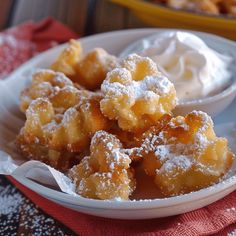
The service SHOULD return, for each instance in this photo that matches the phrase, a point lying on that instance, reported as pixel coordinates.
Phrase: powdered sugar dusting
(114, 155)
(55, 79)
(174, 154)
(180, 123)
(175, 164)
(133, 60)
(122, 80)
(151, 87)
(201, 140)
(68, 115)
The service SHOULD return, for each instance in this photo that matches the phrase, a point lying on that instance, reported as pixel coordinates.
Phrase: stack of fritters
(108, 114)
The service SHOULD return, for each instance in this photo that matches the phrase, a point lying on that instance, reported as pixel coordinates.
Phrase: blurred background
(94, 16)
(83, 16)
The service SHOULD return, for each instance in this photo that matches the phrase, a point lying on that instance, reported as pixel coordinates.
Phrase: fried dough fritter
(185, 154)
(88, 70)
(45, 83)
(68, 59)
(101, 136)
(106, 173)
(92, 69)
(136, 94)
(62, 120)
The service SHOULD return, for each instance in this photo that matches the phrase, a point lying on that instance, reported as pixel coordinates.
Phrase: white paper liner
(38, 171)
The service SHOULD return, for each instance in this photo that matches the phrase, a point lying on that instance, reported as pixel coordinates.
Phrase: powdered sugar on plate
(19, 216)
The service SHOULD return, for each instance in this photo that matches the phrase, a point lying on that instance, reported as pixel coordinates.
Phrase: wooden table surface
(83, 16)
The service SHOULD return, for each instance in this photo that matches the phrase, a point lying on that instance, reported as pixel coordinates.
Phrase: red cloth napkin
(20, 43)
(218, 218)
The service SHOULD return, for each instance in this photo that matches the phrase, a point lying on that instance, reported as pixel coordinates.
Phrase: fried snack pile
(215, 7)
(183, 154)
(106, 173)
(89, 70)
(137, 94)
(98, 136)
(59, 122)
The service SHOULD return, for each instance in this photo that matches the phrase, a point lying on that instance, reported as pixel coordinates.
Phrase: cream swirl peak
(196, 70)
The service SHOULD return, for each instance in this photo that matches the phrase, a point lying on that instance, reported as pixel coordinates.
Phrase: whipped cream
(196, 70)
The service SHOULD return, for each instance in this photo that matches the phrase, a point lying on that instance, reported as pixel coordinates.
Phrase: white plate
(11, 120)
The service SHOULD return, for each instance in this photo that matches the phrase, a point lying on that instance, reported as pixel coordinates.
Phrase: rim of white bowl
(230, 90)
(226, 92)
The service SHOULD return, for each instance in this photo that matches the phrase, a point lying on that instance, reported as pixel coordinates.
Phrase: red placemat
(218, 218)
(22, 42)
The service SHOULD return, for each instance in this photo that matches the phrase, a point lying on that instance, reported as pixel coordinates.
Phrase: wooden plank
(109, 16)
(23, 11)
(69, 12)
(40, 9)
(132, 21)
(5, 7)
(62, 11)
(77, 15)
(105, 16)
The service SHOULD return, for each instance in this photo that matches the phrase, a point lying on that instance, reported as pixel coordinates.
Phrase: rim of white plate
(111, 204)
(129, 204)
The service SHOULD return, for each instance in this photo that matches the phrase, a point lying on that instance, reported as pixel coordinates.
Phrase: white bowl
(213, 105)
(11, 120)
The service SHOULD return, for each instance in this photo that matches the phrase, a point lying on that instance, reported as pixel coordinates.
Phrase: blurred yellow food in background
(161, 16)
